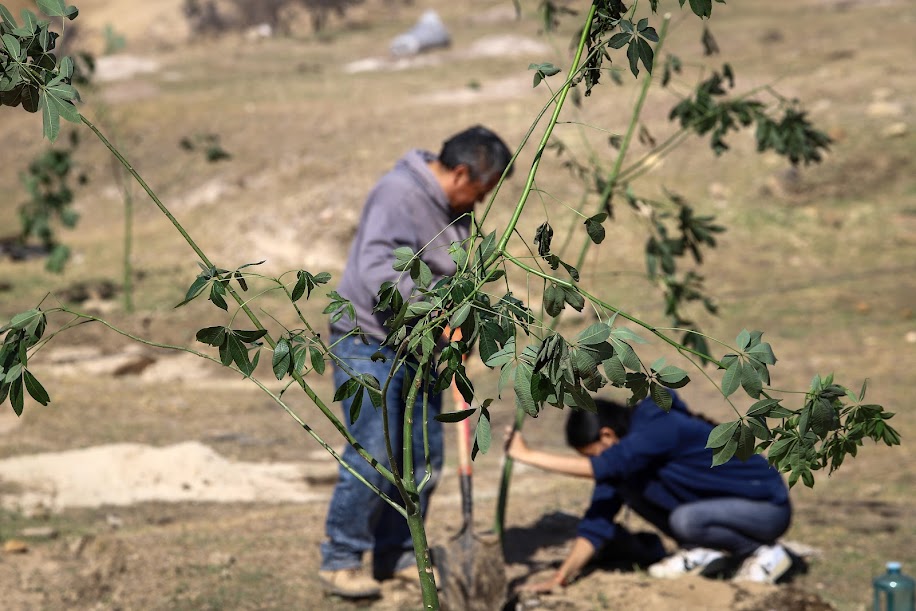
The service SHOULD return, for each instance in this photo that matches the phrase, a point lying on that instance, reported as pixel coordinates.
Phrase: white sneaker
(685, 562)
(766, 565)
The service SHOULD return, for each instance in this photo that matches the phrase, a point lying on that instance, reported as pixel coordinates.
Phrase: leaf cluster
(831, 424)
(23, 332)
(30, 73)
(218, 280)
(47, 182)
(709, 111)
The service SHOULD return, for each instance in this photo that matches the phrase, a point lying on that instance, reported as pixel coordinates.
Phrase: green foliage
(542, 71)
(30, 73)
(21, 334)
(47, 181)
(114, 42)
(709, 111)
(208, 143)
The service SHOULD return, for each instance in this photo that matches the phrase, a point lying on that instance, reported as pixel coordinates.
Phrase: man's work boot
(349, 583)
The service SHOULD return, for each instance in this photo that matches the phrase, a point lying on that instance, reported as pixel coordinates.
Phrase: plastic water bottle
(894, 591)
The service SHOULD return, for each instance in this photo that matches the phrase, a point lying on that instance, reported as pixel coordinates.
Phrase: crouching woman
(657, 463)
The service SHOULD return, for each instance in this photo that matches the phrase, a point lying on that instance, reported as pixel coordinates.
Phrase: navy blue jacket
(664, 457)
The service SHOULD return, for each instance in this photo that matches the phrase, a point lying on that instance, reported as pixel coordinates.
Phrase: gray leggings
(738, 526)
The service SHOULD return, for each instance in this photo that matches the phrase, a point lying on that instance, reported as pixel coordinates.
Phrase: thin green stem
(532, 172)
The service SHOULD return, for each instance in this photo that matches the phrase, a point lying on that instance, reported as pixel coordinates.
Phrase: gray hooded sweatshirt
(407, 207)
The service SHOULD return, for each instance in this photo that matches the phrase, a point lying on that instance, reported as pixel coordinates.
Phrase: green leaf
(317, 359)
(627, 335)
(554, 299)
(673, 377)
(213, 336)
(483, 437)
(646, 54)
(419, 308)
(23, 319)
(633, 56)
(53, 8)
(759, 427)
(731, 380)
(36, 390)
(456, 416)
(595, 228)
(252, 336)
(743, 339)
(225, 356)
(403, 257)
(503, 355)
(574, 298)
(618, 40)
(725, 453)
(763, 353)
(298, 354)
(720, 435)
(239, 353)
(373, 389)
(762, 407)
(460, 316)
(195, 289)
(299, 289)
(356, 407)
(50, 116)
(701, 8)
(347, 389)
(524, 397)
(12, 46)
(750, 380)
(7, 16)
(16, 396)
(217, 290)
(626, 354)
(595, 334)
(615, 371)
(661, 396)
(746, 442)
(282, 358)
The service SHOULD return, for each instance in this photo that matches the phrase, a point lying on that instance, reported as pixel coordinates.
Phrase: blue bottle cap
(893, 566)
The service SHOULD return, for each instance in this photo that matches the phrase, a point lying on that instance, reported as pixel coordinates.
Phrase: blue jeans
(358, 520)
(735, 525)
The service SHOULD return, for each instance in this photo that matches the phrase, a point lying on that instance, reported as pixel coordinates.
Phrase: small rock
(114, 521)
(39, 532)
(911, 337)
(884, 109)
(221, 559)
(895, 130)
(15, 546)
(863, 307)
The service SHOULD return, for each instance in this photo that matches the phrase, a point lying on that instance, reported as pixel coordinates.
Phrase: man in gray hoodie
(422, 203)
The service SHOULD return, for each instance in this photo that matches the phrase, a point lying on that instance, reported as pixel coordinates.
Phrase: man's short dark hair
(482, 151)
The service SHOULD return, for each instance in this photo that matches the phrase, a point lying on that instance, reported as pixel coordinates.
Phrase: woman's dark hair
(584, 427)
(482, 151)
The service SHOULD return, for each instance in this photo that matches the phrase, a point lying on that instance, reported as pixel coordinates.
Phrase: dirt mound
(125, 474)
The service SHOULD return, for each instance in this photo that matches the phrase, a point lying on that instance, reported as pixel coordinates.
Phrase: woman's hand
(515, 444)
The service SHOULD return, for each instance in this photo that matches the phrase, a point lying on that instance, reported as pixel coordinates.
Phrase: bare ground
(821, 259)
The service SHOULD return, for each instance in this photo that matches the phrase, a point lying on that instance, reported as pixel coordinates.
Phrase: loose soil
(157, 480)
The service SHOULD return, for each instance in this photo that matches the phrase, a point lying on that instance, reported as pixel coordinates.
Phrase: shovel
(472, 566)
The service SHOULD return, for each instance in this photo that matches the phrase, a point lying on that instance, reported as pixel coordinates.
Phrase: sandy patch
(125, 474)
